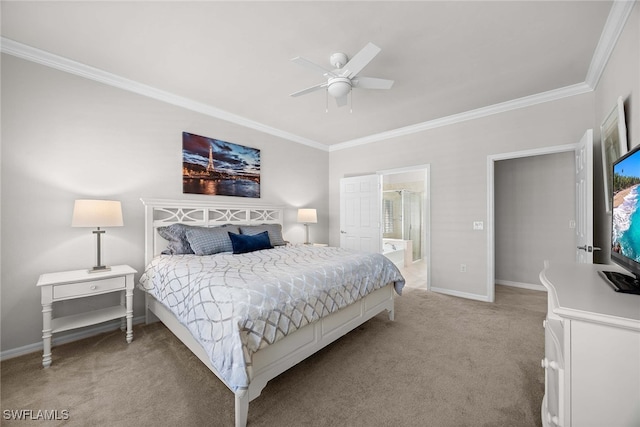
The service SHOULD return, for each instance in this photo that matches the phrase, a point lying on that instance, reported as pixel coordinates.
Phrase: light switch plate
(478, 225)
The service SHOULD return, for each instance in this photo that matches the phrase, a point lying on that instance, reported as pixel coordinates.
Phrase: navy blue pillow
(243, 243)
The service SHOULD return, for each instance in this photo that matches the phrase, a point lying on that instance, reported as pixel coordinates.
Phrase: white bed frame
(271, 361)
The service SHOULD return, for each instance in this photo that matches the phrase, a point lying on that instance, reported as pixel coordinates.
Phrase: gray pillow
(274, 230)
(175, 234)
(213, 240)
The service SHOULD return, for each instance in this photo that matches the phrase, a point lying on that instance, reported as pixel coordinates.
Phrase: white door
(584, 199)
(360, 200)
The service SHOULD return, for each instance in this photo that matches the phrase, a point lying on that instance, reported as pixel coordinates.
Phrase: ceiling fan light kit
(339, 86)
(344, 77)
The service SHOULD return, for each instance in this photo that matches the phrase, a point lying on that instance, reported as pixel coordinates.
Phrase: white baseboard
(521, 285)
(460, 294)
(63, 339)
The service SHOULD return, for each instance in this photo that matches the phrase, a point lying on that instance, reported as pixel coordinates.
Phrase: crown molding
(51, 60)
(618, 15)
(502, 107)
(620, 11)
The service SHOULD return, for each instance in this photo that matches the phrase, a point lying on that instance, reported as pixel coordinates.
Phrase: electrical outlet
(478, 225)
(463, 268)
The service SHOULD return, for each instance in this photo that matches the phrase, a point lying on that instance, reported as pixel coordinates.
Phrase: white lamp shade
(97, 213)
(307, 216)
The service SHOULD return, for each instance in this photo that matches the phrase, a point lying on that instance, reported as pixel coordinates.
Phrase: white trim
(404, 169)
(533, 152)
(521, 285)
(51, 60)
(616, 20)
(461, 294)
(491, 159)
(502, 107)
(618, 15)
(67, 338)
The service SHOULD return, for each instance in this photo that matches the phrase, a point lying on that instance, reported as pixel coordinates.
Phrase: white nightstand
(79, 284)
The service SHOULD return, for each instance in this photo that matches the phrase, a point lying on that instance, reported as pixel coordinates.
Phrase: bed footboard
(271, 361)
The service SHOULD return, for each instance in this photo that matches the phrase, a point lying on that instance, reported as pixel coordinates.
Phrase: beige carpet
(445, 361)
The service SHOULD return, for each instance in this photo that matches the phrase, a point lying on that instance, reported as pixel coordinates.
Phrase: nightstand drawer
(73, 290)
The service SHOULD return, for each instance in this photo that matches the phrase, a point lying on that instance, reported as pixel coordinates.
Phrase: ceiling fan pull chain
(326, 98)
(351, 101)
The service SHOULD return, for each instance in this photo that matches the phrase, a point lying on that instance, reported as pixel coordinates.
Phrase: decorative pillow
(274, 231)
(243, 243)
(211, 240)
(175, 234)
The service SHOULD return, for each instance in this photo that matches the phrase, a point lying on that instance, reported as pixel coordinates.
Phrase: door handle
(589, 248)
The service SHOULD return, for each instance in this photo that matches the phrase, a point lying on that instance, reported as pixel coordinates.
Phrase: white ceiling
(446, 57)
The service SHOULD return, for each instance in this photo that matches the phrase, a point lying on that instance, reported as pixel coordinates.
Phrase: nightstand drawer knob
(549, 364)
(94, 287)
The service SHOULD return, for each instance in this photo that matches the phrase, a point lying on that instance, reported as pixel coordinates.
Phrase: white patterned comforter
(236, 304)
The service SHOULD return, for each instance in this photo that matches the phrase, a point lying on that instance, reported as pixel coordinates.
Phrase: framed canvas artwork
(613, 133)
(219, 168)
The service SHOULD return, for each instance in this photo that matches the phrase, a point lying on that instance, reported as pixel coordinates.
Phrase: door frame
(426, 210)
(491, 160)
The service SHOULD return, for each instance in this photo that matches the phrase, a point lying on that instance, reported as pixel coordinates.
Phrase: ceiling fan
(345, 75)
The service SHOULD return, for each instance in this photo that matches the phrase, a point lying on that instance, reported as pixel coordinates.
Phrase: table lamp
(307, 216)
(97, 213)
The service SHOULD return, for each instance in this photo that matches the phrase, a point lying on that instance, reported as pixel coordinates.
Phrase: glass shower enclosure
(402, 215)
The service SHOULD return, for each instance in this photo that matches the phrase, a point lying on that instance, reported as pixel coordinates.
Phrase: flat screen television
(625, 223)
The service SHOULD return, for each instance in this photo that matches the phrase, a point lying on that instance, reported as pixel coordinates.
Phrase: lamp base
(99, 267)
(306, 236)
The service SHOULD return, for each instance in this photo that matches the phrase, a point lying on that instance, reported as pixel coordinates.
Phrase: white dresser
(592, 350)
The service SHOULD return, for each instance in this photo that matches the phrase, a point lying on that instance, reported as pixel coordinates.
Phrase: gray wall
(458, 157)
(65, 137)
(534, 204)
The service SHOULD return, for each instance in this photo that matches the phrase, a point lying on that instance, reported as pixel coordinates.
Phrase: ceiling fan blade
(309, 89)
(360, 60)
(342, 101)
(371, 83)
(313, 66)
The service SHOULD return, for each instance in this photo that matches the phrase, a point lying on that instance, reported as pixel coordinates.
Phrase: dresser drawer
(73, 290)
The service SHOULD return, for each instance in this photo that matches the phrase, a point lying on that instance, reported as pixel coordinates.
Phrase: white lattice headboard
(160, 213)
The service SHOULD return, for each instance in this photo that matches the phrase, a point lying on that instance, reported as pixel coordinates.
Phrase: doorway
(402, 221)
(583, 152)
(534, 217)
(405, 221)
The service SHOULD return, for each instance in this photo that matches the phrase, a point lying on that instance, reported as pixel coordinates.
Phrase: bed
(250, 316)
